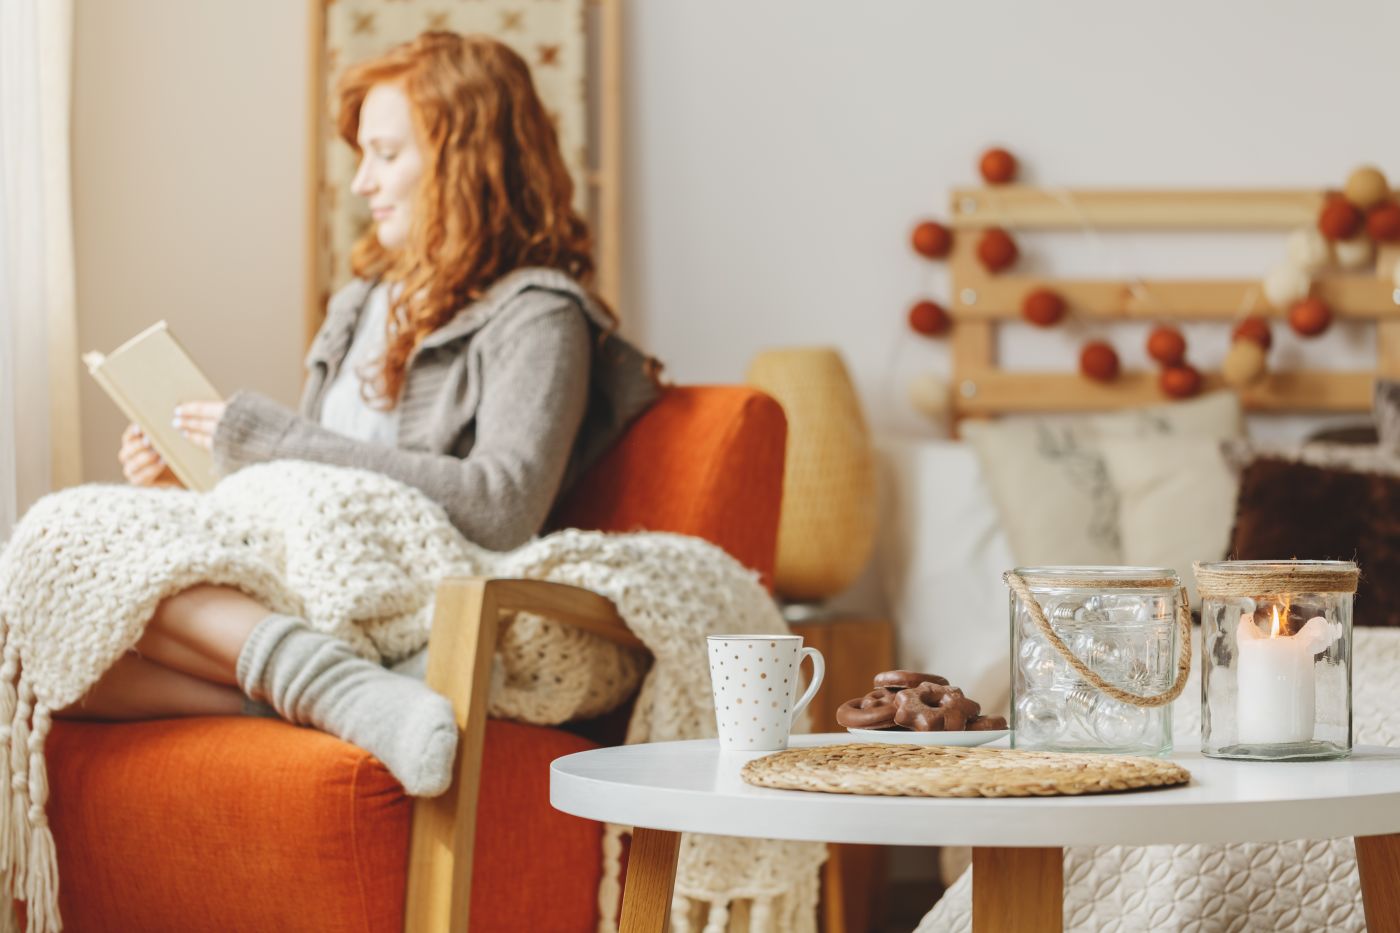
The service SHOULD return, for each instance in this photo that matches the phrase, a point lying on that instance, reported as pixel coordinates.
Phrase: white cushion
(1176, 501)
(940, 556)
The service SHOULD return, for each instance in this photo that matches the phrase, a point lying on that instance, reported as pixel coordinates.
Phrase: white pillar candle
(1276, 698)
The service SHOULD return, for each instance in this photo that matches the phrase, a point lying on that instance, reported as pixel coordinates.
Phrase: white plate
(899, 737)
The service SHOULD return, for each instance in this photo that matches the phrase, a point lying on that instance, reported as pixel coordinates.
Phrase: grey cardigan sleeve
(534, 390)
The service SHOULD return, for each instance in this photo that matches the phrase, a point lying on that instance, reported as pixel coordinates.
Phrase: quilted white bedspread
(1299, 887)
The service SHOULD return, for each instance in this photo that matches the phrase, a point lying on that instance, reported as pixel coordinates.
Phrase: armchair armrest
(466, 625)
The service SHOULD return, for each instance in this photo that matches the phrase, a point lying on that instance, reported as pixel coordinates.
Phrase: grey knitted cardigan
(502, 407)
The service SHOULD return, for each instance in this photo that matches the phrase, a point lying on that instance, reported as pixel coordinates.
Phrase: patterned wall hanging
(551, 35)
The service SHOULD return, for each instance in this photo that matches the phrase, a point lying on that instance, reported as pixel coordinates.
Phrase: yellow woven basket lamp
(828, 514)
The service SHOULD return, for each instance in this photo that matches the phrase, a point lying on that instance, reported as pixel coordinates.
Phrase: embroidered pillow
(1176, 501)
(1051, 485)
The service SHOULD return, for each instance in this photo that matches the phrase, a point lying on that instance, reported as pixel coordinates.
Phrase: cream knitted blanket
(358, 555)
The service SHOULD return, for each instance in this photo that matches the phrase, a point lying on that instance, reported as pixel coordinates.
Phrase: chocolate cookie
(875, 710)
(903, 680)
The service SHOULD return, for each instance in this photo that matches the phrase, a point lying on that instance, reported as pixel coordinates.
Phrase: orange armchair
(230, 824)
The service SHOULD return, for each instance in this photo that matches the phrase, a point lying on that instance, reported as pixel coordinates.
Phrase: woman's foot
(315, 679)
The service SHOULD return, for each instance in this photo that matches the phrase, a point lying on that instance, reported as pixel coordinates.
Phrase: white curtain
(39, 429)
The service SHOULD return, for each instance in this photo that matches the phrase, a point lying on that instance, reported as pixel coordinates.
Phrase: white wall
(779, 153)
(189, 160)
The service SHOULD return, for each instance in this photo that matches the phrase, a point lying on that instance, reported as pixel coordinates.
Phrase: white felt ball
(1354, 253)
(931, 396)
(1244, 364)
(1307, 249)
(1285, 285)
(1366, 187)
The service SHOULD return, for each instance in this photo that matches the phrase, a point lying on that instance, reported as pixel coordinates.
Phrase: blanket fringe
(41, 880)
(18, 798)
(610, 888)
(9, 673)
(718, 920)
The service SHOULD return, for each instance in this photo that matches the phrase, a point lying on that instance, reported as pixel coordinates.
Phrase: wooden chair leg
(854, 886)
(651, 877)
(466, 623)
(466, 620)
(1378, 864)
(833, 918)
(1018, 889)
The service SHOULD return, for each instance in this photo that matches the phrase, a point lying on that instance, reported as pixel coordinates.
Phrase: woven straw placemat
(942, 771)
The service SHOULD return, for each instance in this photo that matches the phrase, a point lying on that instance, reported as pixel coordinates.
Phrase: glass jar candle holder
(1094, 657)
(1276, 667)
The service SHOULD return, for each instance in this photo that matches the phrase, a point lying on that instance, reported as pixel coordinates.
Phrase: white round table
(667, 788)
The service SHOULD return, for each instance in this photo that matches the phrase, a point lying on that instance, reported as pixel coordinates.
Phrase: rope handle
(1183, 661)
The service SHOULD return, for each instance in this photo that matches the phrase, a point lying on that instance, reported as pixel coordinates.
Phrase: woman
(466, 359)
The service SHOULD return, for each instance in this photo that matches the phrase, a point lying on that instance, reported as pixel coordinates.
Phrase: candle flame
(1274, 633)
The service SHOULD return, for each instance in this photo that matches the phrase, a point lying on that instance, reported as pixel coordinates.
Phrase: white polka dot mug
(755, 679)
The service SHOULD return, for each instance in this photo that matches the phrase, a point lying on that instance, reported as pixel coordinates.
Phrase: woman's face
(390, 163)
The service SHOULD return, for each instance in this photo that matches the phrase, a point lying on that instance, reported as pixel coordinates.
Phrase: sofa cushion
(253, 824)
(703, 461)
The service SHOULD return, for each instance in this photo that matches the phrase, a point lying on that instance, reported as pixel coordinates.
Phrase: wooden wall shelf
(1027, 208)
(981, 302)
(993, 391)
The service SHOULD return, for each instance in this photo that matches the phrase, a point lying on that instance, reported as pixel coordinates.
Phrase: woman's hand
(199, 420)
(141, 465)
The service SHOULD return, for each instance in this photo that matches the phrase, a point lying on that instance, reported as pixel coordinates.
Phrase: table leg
(651, 874)
(1018, 889)
(1378, 864)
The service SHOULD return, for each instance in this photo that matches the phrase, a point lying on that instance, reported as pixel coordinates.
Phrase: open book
(147, 377)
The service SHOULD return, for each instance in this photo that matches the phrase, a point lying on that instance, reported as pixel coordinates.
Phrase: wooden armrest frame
(466, 625)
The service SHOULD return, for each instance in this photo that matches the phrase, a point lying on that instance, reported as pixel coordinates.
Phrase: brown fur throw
(1296, 510)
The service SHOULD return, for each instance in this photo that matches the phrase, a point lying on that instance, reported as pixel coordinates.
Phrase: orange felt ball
(1339, 219)
(1310, 317)
(1180, 381)
(1043, 307)
(1098, 361)
(997, 166)
(932, 239)
(1166, 346)
(996, 250)
(929, 318)
(1383, 223)
(1256, 329)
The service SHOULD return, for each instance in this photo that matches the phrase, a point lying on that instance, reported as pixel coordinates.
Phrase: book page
(147, 377)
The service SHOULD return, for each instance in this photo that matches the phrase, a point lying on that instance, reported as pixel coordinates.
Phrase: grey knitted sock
(315, 679)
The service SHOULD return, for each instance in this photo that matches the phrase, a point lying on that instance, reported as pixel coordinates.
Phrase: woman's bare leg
(201, 631)
(310, 678)
(185, 662)
(135, 688)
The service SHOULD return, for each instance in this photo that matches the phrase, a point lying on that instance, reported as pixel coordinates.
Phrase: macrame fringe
(761, 916)
(610, 888)
(17, 800)
(41, 881)
(9, 700)
(718, 919)
(680, 915)
(28, 856)
(9, 673)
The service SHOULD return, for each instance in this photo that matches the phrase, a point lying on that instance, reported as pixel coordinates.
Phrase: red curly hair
(495, 195)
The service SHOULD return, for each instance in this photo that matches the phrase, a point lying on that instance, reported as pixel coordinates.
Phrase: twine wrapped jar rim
(1090, 576)
(1269, 577)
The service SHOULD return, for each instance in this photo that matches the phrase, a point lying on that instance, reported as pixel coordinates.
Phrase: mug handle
(818, 672)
